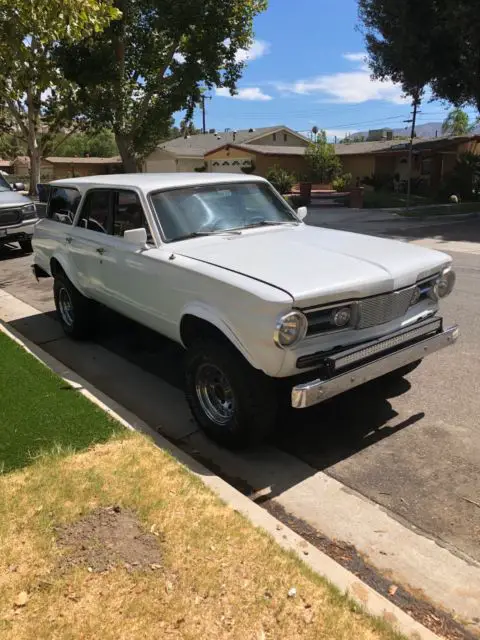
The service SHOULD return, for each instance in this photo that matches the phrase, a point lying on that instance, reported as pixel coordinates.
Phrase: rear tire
(75, 312)
(233, 403)
(26, 245)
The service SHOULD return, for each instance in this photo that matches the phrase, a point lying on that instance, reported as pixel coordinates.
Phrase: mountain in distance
(427, 130)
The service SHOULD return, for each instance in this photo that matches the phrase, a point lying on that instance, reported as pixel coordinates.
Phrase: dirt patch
(106, 538)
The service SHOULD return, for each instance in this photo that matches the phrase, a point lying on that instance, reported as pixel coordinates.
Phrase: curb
(452, 217)
(370, 601)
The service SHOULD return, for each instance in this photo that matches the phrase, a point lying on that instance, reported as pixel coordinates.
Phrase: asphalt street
(413, 448)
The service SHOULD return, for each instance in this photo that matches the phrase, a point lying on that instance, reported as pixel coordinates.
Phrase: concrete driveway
(412, 450)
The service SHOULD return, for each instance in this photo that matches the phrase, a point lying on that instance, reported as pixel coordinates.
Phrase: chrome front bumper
(311, 393)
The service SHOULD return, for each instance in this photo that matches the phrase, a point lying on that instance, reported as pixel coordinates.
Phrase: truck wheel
(75, 312)
(232, 402)
(26, 245)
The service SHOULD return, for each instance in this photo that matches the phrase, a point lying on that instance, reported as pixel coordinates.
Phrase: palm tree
(457, 123)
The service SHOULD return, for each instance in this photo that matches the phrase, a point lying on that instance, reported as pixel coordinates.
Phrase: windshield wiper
(271, 223)
(218, 232)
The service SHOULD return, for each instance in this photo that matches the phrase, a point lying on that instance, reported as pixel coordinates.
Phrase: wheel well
(56, 267)
(193, 328)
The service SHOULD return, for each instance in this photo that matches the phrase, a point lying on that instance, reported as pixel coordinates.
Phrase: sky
(307, 68)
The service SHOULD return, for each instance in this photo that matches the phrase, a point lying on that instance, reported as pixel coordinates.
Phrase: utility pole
(416, 102)
(204, 119)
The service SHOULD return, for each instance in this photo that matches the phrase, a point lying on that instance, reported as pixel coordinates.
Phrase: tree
(155, 62)
(31, 87)
(457, 123)
(100, 144)
(425, 43)
(323, 164)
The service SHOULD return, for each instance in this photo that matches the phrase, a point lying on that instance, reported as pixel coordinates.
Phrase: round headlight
(290, 329)
(445, 283)
(341, 317)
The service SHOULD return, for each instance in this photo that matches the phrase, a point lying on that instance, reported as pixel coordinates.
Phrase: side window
(128, 214)
(63, 204)
(95, 214)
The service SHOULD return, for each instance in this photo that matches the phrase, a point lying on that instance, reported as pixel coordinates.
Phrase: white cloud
(250, 93)
(352, 87)
(355, 57)
(257, 49)
(349, 87)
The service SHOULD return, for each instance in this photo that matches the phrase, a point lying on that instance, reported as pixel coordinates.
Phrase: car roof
(147, 182)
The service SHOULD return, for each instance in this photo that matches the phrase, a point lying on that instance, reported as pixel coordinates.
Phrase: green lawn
(39, 412)
(390, 200)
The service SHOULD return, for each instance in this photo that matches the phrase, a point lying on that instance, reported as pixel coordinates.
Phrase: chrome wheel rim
(215, 394)
(65, 307)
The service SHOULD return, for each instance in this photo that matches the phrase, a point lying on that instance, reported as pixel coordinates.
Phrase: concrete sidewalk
(405, 554)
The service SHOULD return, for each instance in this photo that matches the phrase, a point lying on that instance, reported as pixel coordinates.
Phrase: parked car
(266, 307)
(18, 215)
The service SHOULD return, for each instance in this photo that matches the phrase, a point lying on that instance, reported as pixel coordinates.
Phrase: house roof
(200, 144)
(263, 149)
(83, 160)
(390, 146)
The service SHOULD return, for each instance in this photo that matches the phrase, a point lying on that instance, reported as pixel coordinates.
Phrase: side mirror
(19, 186)
(138, 237)
(302, 212)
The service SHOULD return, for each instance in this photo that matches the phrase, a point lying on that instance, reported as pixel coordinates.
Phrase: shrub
(249, 168)
(342, 182)
(281, 179)
(323, 164)
(380, 181)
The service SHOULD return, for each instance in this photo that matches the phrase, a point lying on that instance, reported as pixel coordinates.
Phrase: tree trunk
(34, 151)
(35, 162)
(130, 163)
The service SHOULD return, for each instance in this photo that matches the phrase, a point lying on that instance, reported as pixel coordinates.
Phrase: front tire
(75, 312)
(233, 403)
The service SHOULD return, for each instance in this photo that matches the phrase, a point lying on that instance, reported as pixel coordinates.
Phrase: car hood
(316, 265)
(12, 199)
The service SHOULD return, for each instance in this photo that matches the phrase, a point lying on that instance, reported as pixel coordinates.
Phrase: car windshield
(203, 210)
(4, 186)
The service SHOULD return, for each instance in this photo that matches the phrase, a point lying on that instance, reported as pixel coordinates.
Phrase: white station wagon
(265, 305)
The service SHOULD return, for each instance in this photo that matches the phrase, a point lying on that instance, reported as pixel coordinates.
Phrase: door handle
(100, 250)
(68, 240)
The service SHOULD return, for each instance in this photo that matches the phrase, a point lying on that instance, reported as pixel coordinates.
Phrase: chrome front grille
(9, 216)
(384, 308)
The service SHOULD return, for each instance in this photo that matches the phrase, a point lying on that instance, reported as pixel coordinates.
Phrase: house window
(274, 137)
(285, 137)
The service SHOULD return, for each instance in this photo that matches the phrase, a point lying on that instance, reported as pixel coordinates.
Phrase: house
(54, 168)
(229, 151)
(433, 158)
(73, 167)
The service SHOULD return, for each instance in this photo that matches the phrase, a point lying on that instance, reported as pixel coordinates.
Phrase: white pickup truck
(222, 265)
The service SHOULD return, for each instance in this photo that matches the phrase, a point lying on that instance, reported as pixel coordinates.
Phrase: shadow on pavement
(321, 436)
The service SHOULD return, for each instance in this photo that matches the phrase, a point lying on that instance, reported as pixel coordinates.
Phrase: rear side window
(63, 204)
(96, 211)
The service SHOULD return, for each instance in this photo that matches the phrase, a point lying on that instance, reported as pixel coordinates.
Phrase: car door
(132, 275)
(56, 227)
(88, 243)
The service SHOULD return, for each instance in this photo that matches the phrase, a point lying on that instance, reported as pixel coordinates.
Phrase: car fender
(67, 268)
(218, 320)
